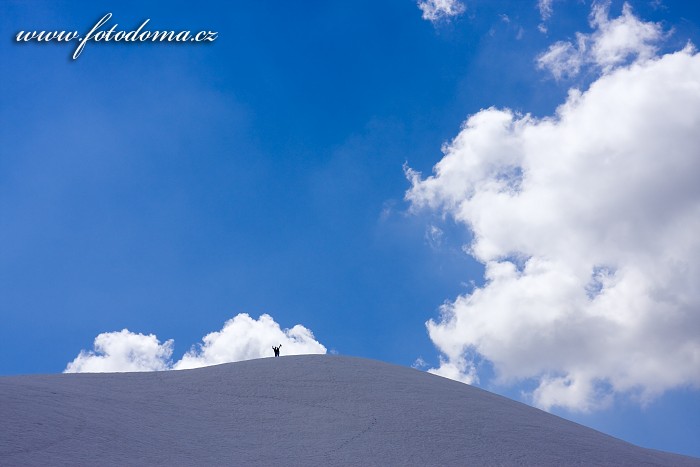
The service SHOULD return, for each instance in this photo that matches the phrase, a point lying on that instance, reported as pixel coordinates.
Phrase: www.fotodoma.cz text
(100, 33)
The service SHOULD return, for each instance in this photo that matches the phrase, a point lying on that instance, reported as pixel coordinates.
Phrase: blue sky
(166, 188)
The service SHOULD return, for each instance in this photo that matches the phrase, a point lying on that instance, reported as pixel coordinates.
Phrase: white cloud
(123, 351)
(436, 10)
(563, 59)
(546, 10)
(419, 363)
(458, 369)
(612, 43)
(433, 236)
(587, 224)
(242, 338)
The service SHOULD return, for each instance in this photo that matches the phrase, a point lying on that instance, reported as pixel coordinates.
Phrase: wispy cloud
(612, 43)
(433, 236)
(419, 363)
(586, 223)
(241, 338)
(436, 10)
(546, 9)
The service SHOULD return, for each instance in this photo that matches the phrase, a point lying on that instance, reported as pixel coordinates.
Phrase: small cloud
(433, 235)
(436, 10)
(241, 338)
(244, 338)
(419, 364)
(459, 370)
(658, 5)
(388, 208)
(123, 351)
(546, 10)
(510, 25)
(562, 59)
(612, 43)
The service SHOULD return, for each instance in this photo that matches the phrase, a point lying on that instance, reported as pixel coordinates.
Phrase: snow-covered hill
(302, 410)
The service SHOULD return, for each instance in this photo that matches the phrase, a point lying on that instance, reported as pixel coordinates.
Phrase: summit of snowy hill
(297, 410)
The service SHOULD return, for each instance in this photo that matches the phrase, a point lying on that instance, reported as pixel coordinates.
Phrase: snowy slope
(303, 410)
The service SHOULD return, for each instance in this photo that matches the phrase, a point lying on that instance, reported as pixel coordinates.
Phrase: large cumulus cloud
(587, 224)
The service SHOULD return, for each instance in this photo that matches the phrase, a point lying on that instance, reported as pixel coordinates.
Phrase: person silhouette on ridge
(277, 350)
